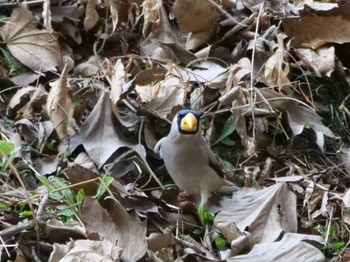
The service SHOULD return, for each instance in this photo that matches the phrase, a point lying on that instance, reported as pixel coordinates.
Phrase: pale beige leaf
(197, 39)
(37, 49)
(213, 74)
(291, 248)
(164, 95)
(266, 213)
(117, 81)
(89, 67)
(321, 60)
(58, 106)
(115, 17)
(47, 16)
(91, 15)
(90, 250)
(276, 71)
(152, 12)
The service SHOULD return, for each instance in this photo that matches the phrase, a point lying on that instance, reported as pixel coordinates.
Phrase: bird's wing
(213, 162)
(157, 148)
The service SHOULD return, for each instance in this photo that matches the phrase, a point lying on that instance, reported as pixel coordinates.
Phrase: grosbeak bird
(189, 160)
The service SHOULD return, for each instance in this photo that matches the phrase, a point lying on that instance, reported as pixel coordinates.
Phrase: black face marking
(181, 114)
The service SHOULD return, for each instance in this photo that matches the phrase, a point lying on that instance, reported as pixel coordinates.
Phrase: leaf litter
(98, 87)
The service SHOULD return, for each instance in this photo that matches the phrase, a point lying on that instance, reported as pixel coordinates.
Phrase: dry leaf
(18, 100)
(265, 214)
(118, 227)
(321, 60)
(37, 49)
(47, 16)
(291, 248)
(343, 155)
(88, 250)
(59, 105)
(152, 12)
(164, 95)
(194, 15)
(102, 134)
(90, 67)
(91, 16)
(315, 31)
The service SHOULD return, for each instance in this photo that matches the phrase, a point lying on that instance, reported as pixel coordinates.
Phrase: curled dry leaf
(37, 49)
(299, 117)
(164, 95)
(91, 16)
(37, 101)
(58, 106)
(151, 11)
(17, 101)
(47, 15)
(90, 67)
(321, 60)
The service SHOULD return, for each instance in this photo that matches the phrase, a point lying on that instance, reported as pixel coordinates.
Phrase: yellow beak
(189, 123)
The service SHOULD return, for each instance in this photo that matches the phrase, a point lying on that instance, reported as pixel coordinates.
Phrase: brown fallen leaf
(37, 49)
(118, 227)
(59, 105)
(195, 15)
(91, 16)
(315, 31)
(102, 134)
(264, 213)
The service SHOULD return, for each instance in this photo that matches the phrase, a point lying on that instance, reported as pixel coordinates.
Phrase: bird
(189, 160)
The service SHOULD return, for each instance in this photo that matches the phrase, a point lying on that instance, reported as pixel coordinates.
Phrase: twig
(7, 232)
(41, 207)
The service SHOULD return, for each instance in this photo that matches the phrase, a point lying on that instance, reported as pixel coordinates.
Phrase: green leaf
(228, 141)
(6, 147)
(3, 206)
(43, 180)
(199, 231)
(25, 214)
(220, 242)
(227, 165)
(204, 215)
(80, 196)
(227, 130)
(66, 213)
(338, 245)
(13, 65)
(102, 187)
(69, 197)
(51, 144)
